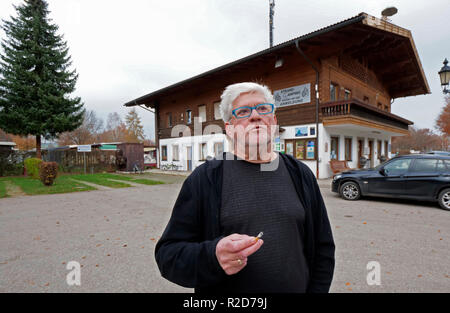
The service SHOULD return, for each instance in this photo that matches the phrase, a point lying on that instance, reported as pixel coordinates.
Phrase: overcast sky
(123, 50)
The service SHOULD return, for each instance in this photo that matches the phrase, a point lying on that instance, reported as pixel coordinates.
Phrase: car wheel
(350, 191)
(444, 199)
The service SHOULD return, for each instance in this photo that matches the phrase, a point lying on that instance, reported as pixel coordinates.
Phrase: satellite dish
(389, 11)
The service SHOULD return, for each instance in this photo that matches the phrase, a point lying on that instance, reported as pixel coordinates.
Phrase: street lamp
(444, 74)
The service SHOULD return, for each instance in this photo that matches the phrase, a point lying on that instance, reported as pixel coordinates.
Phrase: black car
(419, 176)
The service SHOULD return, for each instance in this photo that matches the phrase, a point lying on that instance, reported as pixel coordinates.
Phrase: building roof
(402, 40)
(7, 143)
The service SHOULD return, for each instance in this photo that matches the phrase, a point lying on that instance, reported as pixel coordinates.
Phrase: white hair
(233, 91)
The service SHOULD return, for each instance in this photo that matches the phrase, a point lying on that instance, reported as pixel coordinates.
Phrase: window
(164, 153)
(424, 166)
(333, 92)
(175, 153)
(348, 149)
(397, 167)
(310, 149)
(169, 119)
(334, 148)
(218, 148)
(380, 106)
(347, 94)
(202, 113)
(290, 148)
(203, 151)
(217, 115)
(301, 149)
(386, 108)
(189, 116)
(366, 99)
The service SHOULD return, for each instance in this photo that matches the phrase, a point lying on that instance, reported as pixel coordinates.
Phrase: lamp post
(444, 74)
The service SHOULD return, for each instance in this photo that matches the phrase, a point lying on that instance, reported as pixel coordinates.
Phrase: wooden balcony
(354, 111)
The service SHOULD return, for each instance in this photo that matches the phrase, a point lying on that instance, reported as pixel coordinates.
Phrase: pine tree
(35, 80)
(134, 126)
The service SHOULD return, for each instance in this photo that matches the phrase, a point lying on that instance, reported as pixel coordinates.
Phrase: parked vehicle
(414, 176)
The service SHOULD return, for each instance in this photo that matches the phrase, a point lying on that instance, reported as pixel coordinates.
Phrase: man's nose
(254, 116)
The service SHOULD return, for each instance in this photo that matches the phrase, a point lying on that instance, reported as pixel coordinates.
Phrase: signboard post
(84, 149)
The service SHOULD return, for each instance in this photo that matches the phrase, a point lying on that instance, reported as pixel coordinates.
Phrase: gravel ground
(112, 234)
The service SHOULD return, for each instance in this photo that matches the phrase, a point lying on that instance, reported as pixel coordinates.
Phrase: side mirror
(382, 171)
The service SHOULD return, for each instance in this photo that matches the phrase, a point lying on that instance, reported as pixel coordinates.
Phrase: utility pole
(271, 13)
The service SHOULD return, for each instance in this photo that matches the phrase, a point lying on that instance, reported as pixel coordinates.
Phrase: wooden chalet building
(360, 66)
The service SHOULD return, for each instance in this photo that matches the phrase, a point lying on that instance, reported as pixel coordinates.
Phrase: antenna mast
(271, 13)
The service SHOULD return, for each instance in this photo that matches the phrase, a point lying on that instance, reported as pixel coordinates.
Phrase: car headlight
(336, 177)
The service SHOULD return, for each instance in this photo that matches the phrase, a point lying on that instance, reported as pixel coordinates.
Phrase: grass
(131, 179)
(3, 193)
(35, 187)
(99, 179)
(65, 183)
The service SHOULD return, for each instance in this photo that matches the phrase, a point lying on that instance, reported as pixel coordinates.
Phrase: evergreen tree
(35, 82)
(134, 126)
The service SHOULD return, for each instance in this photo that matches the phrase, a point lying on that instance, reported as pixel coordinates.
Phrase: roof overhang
(388, 49)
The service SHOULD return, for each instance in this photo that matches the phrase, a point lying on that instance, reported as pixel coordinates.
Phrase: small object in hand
(259, 236)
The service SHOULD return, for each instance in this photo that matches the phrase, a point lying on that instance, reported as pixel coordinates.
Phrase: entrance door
(378, 149)
(334, 148)
(371, 153)
(189, 158)
(360, 151)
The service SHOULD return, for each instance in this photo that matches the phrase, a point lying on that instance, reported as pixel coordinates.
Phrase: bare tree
(421, 139)
(114, 126)
(443, 120)
(87, 133)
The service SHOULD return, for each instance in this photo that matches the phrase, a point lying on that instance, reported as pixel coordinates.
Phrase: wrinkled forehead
(251, 99)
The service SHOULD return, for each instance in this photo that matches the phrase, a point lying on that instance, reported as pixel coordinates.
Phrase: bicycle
(137, 168)
(170, 167)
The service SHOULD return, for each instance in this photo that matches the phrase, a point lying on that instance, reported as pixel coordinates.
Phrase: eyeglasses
(244, 112)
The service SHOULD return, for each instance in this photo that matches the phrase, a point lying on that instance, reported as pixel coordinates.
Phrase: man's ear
(229, 129)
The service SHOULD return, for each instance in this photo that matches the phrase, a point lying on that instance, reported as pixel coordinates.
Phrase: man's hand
(232, 252)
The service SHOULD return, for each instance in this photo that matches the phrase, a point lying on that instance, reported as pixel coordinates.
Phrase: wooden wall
(295, 71)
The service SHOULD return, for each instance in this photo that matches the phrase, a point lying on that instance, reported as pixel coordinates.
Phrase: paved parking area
(112, 234)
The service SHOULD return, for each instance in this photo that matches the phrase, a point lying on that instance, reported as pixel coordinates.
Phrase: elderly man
(210, 242)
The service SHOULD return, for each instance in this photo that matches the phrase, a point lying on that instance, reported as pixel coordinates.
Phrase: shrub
(48, 172)
(32, 167)
(11, 163)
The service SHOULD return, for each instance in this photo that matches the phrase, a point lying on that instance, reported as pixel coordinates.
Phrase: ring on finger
(239, 261)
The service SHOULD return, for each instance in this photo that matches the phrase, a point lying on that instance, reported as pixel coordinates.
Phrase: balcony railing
(354, 107)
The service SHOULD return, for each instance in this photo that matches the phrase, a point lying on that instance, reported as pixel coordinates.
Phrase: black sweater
(185, 253)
